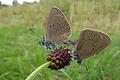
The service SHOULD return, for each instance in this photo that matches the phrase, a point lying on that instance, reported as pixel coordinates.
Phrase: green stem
(35, 72)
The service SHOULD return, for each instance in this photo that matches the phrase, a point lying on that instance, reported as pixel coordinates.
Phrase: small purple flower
(59, 58)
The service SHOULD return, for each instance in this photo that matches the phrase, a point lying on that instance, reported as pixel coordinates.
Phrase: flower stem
(35, 72)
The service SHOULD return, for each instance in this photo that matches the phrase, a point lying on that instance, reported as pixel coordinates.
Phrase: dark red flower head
(60, 58)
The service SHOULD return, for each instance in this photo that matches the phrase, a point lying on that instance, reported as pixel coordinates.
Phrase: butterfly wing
(55, 11)
(105, 41)
(57, 28)
(90, 42)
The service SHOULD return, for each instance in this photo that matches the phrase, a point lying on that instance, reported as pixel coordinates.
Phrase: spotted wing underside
(91, 42)
(57, 28)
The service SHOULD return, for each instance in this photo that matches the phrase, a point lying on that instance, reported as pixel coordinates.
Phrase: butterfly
(57, 29)
(89, 43)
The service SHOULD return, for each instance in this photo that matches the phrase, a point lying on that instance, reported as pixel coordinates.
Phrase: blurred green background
(20, 52)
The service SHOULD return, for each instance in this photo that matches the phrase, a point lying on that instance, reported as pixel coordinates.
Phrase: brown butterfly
(90, 42)
(57, 29)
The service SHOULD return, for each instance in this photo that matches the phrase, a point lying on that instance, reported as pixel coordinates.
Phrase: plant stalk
(36, 71)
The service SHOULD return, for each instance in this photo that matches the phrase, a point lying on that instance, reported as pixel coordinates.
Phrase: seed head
(60, 58)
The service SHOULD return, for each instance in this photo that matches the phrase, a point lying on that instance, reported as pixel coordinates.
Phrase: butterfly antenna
(33, 33)
(31, 29)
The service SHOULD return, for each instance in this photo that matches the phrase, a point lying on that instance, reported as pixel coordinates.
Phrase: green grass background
(20, 52)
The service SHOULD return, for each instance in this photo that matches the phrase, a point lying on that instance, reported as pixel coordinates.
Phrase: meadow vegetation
(20, 52)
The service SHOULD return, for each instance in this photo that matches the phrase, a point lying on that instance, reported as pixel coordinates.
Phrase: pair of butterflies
(57, 29)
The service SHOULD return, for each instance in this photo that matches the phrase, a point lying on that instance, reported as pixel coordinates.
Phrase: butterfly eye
(42, 43)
